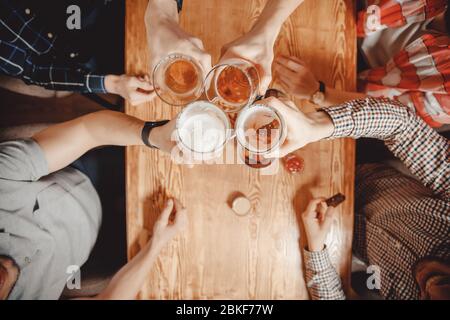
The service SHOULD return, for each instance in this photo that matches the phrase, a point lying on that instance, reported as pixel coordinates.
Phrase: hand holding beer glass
(256, 49)
(260, 130)
(301, 128)
(166, 37)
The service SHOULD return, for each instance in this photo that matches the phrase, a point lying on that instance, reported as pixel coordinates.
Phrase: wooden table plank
(223, 256)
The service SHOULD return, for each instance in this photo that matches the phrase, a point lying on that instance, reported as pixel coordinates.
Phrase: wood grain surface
(222, 255)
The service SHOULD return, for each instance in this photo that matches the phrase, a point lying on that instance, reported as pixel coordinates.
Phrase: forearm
(420, 148)
(274, 15)
(322, 280)
(161, 10)
(127, 282)
(65, 142)
(60, 77)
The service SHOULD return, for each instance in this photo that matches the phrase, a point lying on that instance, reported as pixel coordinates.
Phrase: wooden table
(223, 256)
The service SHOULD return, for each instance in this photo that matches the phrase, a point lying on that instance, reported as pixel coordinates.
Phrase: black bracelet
(179, 5)
(145, 133)
(322, 87)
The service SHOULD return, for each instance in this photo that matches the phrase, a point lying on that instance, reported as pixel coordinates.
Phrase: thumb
(311, 209)
(167, 211)
(265, 82)
(329, 217)
(281, 152)
(136, 82)
(205, 61)
(144, 85)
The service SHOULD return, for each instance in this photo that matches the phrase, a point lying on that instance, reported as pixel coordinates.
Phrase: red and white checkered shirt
(418, 75)
(398, 220)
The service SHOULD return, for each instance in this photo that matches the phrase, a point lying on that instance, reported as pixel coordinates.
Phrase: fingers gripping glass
(178, 79)
(260, 130)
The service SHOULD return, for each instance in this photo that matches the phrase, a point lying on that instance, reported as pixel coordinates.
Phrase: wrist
(266, 32)
(316, 88)
(315, 246)
(154, 137)
(273, 17)
(321, 125)
(159, 11)
(112, 83)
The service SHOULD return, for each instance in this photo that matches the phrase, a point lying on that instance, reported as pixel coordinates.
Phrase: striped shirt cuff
(95, 83)
(317, 261)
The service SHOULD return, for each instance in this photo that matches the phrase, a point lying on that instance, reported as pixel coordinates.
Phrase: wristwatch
(179, 5)
(145, 133)
(319, 96)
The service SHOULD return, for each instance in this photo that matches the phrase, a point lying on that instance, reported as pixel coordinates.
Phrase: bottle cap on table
(241, 206)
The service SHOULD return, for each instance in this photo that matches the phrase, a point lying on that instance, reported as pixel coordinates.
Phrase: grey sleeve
(22, 160)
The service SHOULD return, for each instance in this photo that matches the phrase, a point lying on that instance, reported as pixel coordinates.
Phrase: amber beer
(178, 79)
(232, 85)
(181, 77)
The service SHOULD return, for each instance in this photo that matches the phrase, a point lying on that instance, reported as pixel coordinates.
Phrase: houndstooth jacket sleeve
(421, 149)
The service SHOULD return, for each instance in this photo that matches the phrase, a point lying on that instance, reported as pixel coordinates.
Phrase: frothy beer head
(202, 129)
(181, 77)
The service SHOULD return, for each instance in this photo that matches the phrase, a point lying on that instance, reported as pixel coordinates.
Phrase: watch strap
(145, 133)
(179, 5)
(318, 97)
(322, 87)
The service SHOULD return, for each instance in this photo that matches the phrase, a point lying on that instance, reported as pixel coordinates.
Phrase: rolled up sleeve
(22, 160)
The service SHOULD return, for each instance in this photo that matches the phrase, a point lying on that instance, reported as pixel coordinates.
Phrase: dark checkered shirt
(398, 220)
(27, 51)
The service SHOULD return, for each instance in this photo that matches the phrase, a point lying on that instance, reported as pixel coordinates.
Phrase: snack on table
(294, 163)
(335, 200)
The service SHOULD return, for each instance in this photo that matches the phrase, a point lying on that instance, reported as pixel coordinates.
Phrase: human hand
(256, 48)
(317, 220)
(295, 78)
(302, 129)
(172, 221)
(135, 90)
(165, 37)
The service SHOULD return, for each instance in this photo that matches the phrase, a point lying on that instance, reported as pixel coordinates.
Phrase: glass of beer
(202, 130)
(260, 130)
(233, 84)
(178, 79)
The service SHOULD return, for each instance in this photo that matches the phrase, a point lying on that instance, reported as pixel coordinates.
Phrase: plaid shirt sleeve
(322, 279)
(26, 50)
(418, 146)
